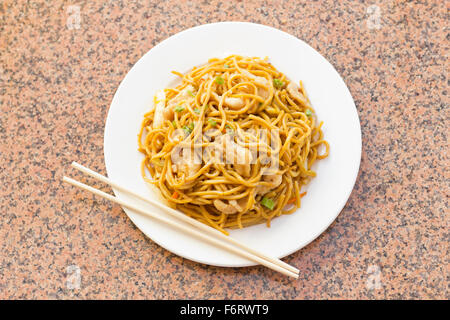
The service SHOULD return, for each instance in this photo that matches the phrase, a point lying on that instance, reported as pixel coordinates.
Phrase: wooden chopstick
(192, 231)
(183, 217)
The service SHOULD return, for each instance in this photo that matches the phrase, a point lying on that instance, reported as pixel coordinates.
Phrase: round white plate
(336, 175)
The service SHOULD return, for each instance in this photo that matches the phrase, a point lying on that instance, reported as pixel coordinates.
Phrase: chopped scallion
(219, 80)
(179, 108)
(187, 130)
(268, 203)
(277, 83)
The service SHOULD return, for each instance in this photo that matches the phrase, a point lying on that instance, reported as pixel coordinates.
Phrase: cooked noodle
(257, 135)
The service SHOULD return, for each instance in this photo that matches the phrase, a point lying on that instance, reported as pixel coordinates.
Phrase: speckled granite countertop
(60, 64)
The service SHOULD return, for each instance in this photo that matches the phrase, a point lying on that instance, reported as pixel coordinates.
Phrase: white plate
(336, 175)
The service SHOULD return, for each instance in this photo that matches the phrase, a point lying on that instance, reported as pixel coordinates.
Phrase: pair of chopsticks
(196, 228)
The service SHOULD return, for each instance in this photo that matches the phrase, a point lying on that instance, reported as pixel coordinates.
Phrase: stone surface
(58, 75)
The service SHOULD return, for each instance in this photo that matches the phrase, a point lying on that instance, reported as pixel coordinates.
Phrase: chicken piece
(183, 95)
(158, 119)
(235, 154)
(243, 169)
(263, 93)
(163, 112)
(168, 113)
(244, 158)
(274, 181)
(190, 164)
(261, 81)
(239, 204)
(185, 160)
(234, 103)
(224, 208)
(189, 168)
(292, 89)
(233, 206)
